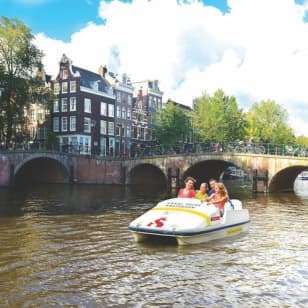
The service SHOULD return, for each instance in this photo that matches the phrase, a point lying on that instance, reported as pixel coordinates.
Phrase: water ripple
(90, 260)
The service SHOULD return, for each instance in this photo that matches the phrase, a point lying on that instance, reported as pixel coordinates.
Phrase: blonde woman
(219, 197)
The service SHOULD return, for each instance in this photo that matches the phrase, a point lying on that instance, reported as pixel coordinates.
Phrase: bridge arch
(41, 169)
(206, 169)
(147, 174)
(284, 179)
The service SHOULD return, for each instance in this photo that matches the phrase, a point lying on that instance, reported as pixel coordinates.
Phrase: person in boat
(188, 191)
(201, 194)
(219, 197)
(212, 187)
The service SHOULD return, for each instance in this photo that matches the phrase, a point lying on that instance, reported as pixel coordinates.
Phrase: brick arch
(213, 168)
(55, 170)
(284, 179)
(146, 173)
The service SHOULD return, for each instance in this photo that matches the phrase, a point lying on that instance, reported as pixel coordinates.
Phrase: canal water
(69, 246)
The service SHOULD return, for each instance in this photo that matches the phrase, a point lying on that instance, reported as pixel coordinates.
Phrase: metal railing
(167, 150)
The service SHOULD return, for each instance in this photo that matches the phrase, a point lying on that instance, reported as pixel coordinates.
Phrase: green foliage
(172, 125)
(218, 118)
(302, 141)
(268, 121)
(19, 58)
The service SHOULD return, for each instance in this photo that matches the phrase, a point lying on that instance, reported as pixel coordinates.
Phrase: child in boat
(219, 198)
(201, 194)
(188, 191)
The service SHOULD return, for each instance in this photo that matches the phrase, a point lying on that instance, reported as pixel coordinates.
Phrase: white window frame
(73, 86)
(64, 104)
(110, 110)
(73, 103)
(56, 105)
(87, 105)
(55, 125)
(64, 86)
(111, 128)
(56, 88)
(103, 127)
(103, 109)
(87, 125)
(72, 123)
(64, 123)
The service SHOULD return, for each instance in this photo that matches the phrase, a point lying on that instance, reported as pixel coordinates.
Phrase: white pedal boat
(189, 221)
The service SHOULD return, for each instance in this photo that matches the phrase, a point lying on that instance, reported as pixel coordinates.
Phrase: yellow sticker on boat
(234, 230)
(179, 209)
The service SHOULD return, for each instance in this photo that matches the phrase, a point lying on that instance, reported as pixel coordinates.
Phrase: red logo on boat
(158, 222)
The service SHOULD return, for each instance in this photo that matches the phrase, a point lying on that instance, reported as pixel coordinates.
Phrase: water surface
(70, 246)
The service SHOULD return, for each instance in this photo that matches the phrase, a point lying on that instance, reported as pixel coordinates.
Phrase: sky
(252, 49)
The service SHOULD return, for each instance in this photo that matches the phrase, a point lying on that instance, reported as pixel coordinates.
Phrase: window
(103, 127)
(129, 100)
(73, 103)
(73, 123)
(118, 112)
(87, 105)
(64, 124)
(32, 115)
(111, 128)
(110, 110)
(118, 130)
(129, 114)
(103, 146)
(64, 104)
(56, 124)
(128, 131)
(64, 87)
(87, 125)
(111, 146)
(56, 88)
(73, 86)
(118, 96)
(56, 105)
(40, 115)
(123, 113)
(103, 109)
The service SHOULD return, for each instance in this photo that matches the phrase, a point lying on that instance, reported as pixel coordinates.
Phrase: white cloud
(259, 50)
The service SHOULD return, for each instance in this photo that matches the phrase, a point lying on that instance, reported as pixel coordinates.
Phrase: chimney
(102, 70)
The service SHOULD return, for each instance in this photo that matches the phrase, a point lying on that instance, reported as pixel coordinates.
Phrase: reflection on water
(69, 246)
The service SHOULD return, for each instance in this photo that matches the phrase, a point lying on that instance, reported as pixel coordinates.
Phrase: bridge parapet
(267, 172)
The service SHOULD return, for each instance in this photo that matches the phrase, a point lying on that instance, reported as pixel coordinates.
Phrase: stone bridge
(268, 173)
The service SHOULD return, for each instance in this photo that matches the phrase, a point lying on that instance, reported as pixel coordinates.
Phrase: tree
(218, 118)
(19, 59)
(172, 125)
(302, 141)
(268, 121)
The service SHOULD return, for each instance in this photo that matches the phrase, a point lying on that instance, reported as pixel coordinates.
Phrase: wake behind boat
(189, 221)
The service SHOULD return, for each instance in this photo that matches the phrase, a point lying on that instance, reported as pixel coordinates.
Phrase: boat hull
(187, 222)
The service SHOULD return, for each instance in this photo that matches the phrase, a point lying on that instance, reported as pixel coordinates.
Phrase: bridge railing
(230, 147)
(168, 150)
